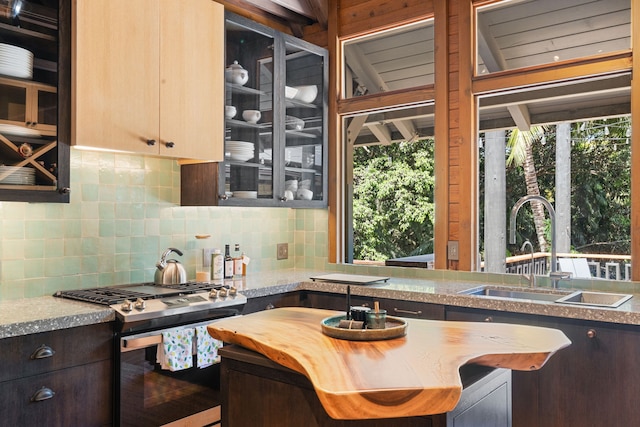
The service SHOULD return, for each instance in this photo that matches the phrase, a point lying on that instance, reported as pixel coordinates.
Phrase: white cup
(251, 116)
(291, 184)
(229, 111)
(305, 194)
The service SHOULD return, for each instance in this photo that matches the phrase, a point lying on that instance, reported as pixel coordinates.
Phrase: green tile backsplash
(124, 212)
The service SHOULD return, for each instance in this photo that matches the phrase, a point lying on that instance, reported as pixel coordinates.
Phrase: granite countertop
(41, 314)
(33, 315)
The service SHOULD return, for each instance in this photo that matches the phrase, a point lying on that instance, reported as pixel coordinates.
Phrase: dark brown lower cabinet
(258, 392)
(397, 308)
(78, 396)
(593, 382)
(58, 378)
(267, 302)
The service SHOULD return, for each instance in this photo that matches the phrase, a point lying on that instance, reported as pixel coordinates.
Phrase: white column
(495, 209)
(563, 188)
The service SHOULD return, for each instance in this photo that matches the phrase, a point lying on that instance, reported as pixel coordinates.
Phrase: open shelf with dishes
(35, 83)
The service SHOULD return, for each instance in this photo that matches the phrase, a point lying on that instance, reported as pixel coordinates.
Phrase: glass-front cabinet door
(304, 151)
(34, 118)
(248, 165)
(275, 115)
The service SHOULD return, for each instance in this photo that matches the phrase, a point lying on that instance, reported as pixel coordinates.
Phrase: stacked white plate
(240, 151)
(16, 61)
(245, 194)
(18, 130)
(19, 175)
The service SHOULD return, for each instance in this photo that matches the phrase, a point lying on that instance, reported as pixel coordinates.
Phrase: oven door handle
(150, 339)
(136, 343)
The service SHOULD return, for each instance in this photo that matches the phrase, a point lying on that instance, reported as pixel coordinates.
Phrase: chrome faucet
(532, 277)
(554, 274)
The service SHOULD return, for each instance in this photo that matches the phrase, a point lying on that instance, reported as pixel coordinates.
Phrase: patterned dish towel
(176, 351)
(207, 348)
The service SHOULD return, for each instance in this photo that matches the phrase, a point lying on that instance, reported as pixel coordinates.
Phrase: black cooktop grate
(106, 296)
(195, 286)
(116, 294)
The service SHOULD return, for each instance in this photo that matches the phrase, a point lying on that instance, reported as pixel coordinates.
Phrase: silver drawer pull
(43, 394)
(42, 352)
(413, 313)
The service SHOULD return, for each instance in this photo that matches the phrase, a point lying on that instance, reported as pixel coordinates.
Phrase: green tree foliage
(600, 185)
(600, 181)
(393, 200)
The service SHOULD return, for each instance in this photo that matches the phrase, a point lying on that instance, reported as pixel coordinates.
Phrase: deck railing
(603, 266)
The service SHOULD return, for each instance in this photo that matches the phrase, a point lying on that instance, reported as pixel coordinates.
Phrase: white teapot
(234, 73)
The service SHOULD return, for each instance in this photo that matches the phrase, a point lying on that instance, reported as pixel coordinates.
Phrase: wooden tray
(395, 328)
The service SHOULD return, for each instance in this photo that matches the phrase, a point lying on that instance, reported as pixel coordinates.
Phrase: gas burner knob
(140, 304)
(222, 293)
(233, 291)
(213, 294)
(126, 305)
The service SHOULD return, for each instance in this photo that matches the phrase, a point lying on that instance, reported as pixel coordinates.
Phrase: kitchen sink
(594, 299)
(512, 294)
(598, 299)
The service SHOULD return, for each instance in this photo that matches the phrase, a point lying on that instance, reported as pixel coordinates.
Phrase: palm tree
(521, 154)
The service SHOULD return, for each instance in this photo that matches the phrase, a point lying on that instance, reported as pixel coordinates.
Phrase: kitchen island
(409, 376)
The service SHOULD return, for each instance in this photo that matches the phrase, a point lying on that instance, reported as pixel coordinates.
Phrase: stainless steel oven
(154, 396)
(147, 391)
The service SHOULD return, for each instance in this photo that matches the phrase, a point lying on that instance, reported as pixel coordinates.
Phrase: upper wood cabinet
(148, 77)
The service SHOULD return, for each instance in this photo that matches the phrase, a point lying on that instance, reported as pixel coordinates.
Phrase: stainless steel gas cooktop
(148, 301)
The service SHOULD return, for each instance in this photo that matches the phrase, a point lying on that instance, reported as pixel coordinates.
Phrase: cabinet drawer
(82, 397)
(337, 302)
(47, 351)
(412, 309)
(271, 301)
(478, 315)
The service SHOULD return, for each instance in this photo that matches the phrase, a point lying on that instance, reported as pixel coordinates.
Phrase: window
(577, 141)
(389, 161)
(518, 34)
(391, 60)
(390, 185)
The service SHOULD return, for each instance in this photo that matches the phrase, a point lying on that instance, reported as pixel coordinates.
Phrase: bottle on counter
(245, 262)
(228, 263)
(203, 269)
(237, 262)
(217, 265)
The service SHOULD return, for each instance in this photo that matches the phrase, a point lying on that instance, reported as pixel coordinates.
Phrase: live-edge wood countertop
(414, 375)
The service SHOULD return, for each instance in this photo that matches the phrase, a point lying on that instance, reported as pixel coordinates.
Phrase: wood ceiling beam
(320, 11)
(279, 15)
(278, 10)
(520, 114)
(406, 128)
(493, 59)
(381, 132)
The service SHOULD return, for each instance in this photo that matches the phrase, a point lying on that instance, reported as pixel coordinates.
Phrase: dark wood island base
(259, 392)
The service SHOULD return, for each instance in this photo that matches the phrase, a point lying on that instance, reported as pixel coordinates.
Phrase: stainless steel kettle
(170, 271)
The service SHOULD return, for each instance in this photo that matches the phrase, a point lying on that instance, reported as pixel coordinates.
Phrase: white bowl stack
(16, 61)
(240, 151)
